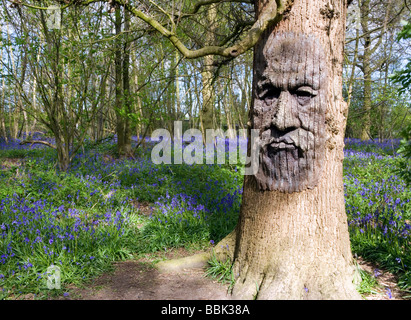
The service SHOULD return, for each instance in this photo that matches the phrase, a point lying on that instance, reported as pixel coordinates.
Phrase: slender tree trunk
(177, 81)
(294, 243)
(122, 89)
(228, 107)
(14, 119)
(118, 84)
(198, 103)
(2, 113)
(126, 85)
(190, 101)
(2, 100)
(351, 79)
(34, 106)
(207, 108)
(138, 106)
(384, 113)
(367, 68)
(366, 123)
(170, 95)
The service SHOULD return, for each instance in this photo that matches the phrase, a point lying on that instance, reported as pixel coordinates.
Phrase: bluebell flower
(388, 291)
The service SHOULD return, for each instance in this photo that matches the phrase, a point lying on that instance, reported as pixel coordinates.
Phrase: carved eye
(305, 94)
(269, 94)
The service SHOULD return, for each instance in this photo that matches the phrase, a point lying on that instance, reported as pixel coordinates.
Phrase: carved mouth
(292, 139)
(283, 145)
(290, 148)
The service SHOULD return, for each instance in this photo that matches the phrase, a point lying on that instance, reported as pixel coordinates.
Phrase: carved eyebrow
(263, 83)
(265, 86)
(291, 82)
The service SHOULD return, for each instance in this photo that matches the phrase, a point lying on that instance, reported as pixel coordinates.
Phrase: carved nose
(286, 115)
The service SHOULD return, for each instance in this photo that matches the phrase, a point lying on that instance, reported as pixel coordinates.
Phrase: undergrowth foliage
(84, 219)
(378, 206)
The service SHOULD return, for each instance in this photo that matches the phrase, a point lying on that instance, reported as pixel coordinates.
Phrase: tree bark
(296, 245)
(3, 130)
(126, 86)
(122, 88)
(366, 125)
(207, 108)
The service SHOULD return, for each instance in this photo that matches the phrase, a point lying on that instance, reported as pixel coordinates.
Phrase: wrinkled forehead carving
(293, 60)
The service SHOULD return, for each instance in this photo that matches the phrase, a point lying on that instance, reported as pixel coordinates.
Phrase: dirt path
(139, 280)
(134, 280)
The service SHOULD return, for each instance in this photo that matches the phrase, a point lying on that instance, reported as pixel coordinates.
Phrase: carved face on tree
(290, 100)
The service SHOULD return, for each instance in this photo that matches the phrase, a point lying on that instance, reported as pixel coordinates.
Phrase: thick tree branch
(272, 13)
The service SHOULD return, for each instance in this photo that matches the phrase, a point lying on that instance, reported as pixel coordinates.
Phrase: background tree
(68, 78)
(403, 77)
(372, 54)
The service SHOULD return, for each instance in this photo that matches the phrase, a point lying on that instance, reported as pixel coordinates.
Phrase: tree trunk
(366, 123)
(3, 131)
(366, 8)
(118, 85)
(63, 153)
(138, 109)
(177, 84)
(122, 103)
(351, 79)
(207, 108)
(3, 113)
(34, 106)
(292, 240)
(14, 119)
(126, 86)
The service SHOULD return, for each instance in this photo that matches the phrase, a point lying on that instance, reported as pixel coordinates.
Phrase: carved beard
(287, 166)
(289, 110)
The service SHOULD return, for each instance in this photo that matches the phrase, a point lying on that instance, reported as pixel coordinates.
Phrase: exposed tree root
(223, 250)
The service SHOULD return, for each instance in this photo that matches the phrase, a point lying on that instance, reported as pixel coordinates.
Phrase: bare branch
(31, 142)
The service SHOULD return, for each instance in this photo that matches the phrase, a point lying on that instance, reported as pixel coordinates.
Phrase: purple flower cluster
(381, 147)
(14, 144)
(38, 229)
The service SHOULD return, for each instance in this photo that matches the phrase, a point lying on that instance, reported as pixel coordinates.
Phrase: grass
(220, 271)
(368, 282)
(84, 219)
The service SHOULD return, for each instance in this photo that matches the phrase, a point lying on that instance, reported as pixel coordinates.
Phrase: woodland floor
(139, 280)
